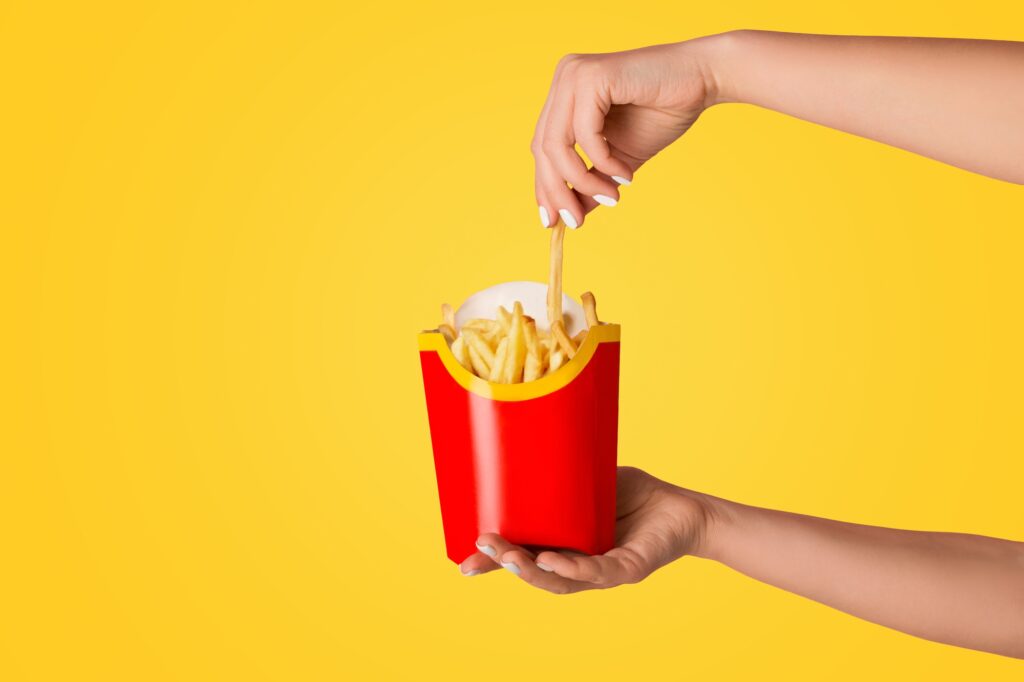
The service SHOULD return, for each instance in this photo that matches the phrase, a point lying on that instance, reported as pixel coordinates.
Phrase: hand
(621, 109)
(657, 524)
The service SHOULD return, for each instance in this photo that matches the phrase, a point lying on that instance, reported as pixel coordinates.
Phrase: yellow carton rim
(433, 340)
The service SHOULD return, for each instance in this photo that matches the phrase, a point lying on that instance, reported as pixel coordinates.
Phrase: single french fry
(504, 319)
(555, 275)
(516, 359)
(480, 366)
(532, 368)
(562, 336)
(497, 373)
(476, 343)
(447, 315)
(461, 353)
(448, 331)
(578, 339)
(590, 308)
(556, 360)
(532, 341)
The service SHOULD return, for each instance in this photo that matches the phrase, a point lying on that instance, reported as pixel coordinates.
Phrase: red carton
(536, 461)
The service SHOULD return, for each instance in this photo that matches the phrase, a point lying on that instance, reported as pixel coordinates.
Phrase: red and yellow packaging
(534, 462)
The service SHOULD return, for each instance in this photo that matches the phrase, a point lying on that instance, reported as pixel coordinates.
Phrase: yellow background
(224, 223)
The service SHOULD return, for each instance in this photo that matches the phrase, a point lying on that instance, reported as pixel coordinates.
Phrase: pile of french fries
(510, 349)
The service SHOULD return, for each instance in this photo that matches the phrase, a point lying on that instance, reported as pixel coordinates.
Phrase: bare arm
(959, 589)
(958, 101)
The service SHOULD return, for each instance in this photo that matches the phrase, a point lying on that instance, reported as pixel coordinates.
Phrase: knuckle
(549, 146)
(536, 146)
(568, 60)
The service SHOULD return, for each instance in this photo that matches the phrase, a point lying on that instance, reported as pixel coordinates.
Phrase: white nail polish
(544, 567)
(604, 200)
(470, 574)
(487, 549)
(569, 219)
(510, 566)
(544, 219)
(621, 180)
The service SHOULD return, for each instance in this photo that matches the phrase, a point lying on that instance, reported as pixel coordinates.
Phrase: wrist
(718, 517)
(719, 57)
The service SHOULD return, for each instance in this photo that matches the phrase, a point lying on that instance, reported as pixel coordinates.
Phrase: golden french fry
(448, 331)
(447, 315)
(515, 361)
(590, 308)
(480, 366)
(476, 343)
(461, 353)
(497, 375)
(504, 319)
(562, 336)
(532, 368)
(532, 341)
(556, 360)
(578, 339)
(555, 275)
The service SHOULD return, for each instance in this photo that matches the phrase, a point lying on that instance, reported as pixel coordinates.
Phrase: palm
(657, 523)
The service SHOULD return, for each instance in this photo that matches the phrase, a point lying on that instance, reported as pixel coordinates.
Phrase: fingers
(602, 571)
(477, 564)
(574, 113)
(520, 562)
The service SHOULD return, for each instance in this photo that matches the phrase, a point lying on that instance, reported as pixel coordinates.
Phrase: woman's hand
(621, 109)
(657, 524)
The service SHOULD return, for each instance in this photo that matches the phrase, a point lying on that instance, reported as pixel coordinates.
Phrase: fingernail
(604, 200)
(544, 219)
(511, 566)
(621, 180)
(470, 574)
(569, 219)
(544, 567)
(487, 549)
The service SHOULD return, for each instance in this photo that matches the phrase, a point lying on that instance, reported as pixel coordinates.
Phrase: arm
(958, 101)
(966, 590)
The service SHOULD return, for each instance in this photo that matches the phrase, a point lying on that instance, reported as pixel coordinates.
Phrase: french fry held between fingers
(555, 275)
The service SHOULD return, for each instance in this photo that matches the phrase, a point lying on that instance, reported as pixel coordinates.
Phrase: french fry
(555, 275)
(448, 331)
(556, 360)
(515, 362)
(447, 315)
(533, 369)
(578, 339)
(504, 319)
(480, 366)
(461, 353)
(590, 308)
(477, 344)
(500, 356)
(562, 336)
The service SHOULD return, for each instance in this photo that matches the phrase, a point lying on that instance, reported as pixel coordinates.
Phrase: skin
(966, 590)
(957, 101)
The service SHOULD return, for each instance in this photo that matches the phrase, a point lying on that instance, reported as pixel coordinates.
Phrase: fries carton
(535, 461)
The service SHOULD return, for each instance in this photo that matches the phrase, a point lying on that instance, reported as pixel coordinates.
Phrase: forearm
(958, 101)
(959, 589)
